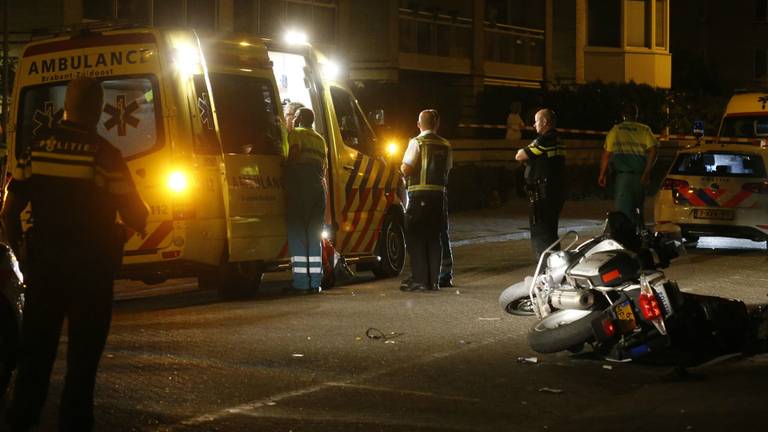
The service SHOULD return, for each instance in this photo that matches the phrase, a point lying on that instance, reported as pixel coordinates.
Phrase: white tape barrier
(596, 132)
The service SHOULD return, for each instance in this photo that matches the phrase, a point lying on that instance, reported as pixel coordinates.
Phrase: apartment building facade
(402, 55)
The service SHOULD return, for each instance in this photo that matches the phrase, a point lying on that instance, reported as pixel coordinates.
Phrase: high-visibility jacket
(311, 147)
(433, 164)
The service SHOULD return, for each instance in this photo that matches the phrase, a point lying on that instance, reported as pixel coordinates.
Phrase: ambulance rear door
(127, 66)
(247, 110)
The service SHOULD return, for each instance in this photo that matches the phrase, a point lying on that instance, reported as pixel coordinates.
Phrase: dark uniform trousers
(82, 293)
(425, 218)
(71, 256)
(544, 218)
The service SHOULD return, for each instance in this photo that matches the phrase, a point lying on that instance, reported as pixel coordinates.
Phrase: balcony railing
(435, 34)
(512, 44)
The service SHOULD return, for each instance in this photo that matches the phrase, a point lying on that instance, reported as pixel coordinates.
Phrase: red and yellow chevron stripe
(367, 199)
(158, 237)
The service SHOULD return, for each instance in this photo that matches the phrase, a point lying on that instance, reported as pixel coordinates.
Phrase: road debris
(376, 334)
(489, 319)
(550, 390)
(297, 355)
(607, 367)
(528, 360)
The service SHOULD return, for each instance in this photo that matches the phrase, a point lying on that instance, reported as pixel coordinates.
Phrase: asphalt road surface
(367, 357)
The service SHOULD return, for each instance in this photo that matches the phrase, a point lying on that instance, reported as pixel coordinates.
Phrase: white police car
(722, 189)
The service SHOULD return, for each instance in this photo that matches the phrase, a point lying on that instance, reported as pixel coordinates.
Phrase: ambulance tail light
(758, 188)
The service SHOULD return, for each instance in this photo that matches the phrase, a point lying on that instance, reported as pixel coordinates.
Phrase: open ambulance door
(247, 113)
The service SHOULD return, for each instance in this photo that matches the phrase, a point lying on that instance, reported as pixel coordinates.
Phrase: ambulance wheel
(391, 248)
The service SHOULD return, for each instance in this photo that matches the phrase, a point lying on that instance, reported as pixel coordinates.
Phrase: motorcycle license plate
(625, 316)
(663, 297)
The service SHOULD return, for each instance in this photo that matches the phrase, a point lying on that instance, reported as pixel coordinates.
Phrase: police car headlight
(178, 182)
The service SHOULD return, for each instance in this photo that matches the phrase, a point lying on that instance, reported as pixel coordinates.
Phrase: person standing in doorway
(77, 184)
(630, 152)
(544, 160)
(305, 199)
(426, 164)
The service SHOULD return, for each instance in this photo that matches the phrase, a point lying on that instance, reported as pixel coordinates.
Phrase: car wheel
(390, 248)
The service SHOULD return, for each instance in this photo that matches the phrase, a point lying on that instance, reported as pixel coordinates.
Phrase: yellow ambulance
(199, 122)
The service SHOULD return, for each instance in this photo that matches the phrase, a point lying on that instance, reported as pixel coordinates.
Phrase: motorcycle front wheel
(516, 300)
(562, 330)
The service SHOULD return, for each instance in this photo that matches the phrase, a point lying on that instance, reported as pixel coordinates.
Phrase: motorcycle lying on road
(610, 292)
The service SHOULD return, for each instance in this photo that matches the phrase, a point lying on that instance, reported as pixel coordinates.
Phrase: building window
(272, 18)
(97, 9)
(761, 10)
(761, 65)
(636, 23)
(604, 23)
(201, 14)
(169, 13)
(133, 11)
(661, 23)
(245, 16)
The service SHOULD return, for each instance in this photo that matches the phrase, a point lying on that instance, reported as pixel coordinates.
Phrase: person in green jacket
(630, 151)
(305, 200)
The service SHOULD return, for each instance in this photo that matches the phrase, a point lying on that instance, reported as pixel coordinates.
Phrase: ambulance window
(354, 130)
(130, 118)
(246, 109)
(41, 108)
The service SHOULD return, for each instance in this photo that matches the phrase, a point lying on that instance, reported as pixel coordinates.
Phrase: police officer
(77, 183)
(305, 187)
(630, 150)
(426, 163)
(544, 160)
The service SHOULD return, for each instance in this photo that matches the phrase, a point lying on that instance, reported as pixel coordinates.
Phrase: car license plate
(625, 316)
(718, 214)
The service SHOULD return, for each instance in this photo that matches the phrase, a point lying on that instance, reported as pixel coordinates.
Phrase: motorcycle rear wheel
(562, 330)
